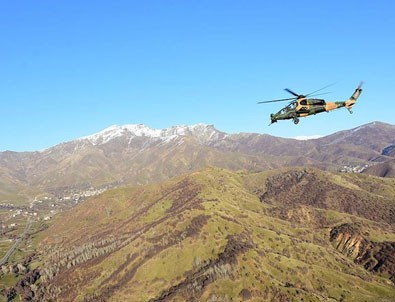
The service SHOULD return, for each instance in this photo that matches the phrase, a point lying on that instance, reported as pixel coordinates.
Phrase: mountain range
(136, 154)
(191, 213)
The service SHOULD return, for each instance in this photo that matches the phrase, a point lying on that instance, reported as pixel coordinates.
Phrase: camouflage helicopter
(301, 105)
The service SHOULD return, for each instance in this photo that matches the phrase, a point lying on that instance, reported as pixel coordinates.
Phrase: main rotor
(298, 96)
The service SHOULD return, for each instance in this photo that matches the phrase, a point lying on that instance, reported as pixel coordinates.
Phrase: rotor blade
(319, 94)
(321, 89)
(360, 85)
(280, 100)
(283, 100)
(291, 92)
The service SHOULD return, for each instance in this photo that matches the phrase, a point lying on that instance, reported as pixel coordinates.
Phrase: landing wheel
(296, 120)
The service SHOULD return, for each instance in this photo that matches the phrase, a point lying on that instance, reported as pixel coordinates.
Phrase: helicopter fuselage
(303, 106)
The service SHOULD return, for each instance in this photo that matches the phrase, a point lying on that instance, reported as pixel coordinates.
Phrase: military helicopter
(301, 105)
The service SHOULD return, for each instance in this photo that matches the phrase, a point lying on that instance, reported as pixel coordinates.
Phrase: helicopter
(301, 105)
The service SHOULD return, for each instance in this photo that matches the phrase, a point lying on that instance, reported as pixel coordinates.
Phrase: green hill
(217, 235)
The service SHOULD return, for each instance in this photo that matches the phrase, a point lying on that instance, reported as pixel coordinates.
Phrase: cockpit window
(289, 108)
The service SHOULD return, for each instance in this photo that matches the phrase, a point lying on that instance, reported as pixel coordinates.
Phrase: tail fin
(353, 99)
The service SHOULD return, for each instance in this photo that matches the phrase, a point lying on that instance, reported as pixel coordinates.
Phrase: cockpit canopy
(291, 107)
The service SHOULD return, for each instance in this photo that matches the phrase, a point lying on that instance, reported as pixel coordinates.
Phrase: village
(353, 169)
(17, 221)
(43, 208)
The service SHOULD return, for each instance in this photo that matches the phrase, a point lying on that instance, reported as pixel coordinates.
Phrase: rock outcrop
(376, 257)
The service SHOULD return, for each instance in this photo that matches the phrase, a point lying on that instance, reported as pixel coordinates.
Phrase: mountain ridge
(204, 132)
(138, 154)
(141, 130)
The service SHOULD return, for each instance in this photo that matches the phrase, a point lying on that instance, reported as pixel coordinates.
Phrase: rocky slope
(385, 169)
(216, 235)
(374, 256)
(332, 192)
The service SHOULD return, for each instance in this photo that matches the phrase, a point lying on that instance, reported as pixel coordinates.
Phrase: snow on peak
(369, 125)
(105, 135)
(204, 133)
(307, 137)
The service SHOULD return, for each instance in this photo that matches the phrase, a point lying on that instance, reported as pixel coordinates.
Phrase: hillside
(385, 169)
(217, 235)
(136, 154)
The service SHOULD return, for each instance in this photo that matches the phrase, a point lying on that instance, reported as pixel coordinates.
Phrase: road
(4, 260)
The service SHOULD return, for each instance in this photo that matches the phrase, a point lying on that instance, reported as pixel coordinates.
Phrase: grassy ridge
(207, 236)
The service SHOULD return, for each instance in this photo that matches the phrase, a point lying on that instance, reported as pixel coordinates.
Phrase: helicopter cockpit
(290, 107)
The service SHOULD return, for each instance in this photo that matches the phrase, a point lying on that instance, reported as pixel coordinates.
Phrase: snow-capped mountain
(201, 132)
(138, 154)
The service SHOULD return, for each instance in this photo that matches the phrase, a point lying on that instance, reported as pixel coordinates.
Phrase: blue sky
(72, 68)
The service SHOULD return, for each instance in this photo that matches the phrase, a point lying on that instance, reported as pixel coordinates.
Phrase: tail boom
(348, 103)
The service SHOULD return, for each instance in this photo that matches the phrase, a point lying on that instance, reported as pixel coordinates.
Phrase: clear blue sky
(72, 68)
